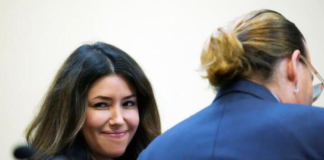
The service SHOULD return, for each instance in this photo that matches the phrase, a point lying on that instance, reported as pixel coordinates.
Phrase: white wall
(165, 37)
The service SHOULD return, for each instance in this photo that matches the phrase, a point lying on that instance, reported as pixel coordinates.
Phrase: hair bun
(222, 57)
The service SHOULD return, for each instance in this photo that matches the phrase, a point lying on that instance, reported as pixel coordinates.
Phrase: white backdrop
(165, 37)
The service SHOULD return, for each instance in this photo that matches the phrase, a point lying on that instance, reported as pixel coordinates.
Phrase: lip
(115, 134)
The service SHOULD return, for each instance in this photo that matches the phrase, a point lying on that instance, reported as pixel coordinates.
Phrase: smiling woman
(100, 106)
(112, 117)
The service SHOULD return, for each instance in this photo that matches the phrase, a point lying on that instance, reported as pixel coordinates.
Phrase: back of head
(250, 47)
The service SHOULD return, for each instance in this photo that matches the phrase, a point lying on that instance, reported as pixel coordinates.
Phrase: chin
(116, 153)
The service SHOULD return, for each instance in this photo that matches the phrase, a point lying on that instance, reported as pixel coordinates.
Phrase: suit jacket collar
(247, 87)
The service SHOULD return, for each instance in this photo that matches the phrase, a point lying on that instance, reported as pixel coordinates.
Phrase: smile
(116, 135)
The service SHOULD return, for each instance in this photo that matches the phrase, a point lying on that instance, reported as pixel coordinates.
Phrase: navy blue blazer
(244, 122)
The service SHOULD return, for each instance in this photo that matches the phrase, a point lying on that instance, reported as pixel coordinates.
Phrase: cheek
(132, 118)
(95, 119)
(310, 84)
(307, 88)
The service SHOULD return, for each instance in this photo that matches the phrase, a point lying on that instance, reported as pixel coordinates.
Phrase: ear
(292, 67)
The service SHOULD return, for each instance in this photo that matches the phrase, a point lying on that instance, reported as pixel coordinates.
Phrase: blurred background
(164, 37)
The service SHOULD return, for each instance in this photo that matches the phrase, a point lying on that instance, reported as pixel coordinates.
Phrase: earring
(296, 90)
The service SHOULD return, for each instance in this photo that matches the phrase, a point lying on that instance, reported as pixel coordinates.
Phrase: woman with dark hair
(261, 69)
(100, 106)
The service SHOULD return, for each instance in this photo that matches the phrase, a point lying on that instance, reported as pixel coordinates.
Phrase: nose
(116, 116)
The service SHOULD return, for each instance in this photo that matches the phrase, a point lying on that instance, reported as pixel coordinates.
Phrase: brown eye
(129, 104)
(101, 105)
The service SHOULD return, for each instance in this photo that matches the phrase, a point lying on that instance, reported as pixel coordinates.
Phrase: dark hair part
(250, 47)
(63, 111)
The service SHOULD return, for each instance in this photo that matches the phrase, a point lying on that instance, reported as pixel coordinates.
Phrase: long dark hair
(63, 111)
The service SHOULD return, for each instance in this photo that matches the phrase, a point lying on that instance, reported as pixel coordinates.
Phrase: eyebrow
(130, 96)
(109, 98)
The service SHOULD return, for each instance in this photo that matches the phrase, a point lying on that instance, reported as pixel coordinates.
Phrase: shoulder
(281, 114)
(191, 134)
(76, 152)
(288, 113)
(301, 119)
(250, 120)
(292, 128)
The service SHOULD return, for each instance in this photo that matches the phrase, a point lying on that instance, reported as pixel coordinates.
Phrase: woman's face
(112, 117)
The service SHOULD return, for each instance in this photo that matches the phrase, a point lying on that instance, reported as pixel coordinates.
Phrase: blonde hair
(250, 47)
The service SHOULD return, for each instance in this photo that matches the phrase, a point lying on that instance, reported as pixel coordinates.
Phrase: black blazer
(78, 151)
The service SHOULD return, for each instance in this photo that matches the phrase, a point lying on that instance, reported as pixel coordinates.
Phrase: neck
(279, 89)
(99, 158)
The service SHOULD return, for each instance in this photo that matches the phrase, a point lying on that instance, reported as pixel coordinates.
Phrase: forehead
(110, 85)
